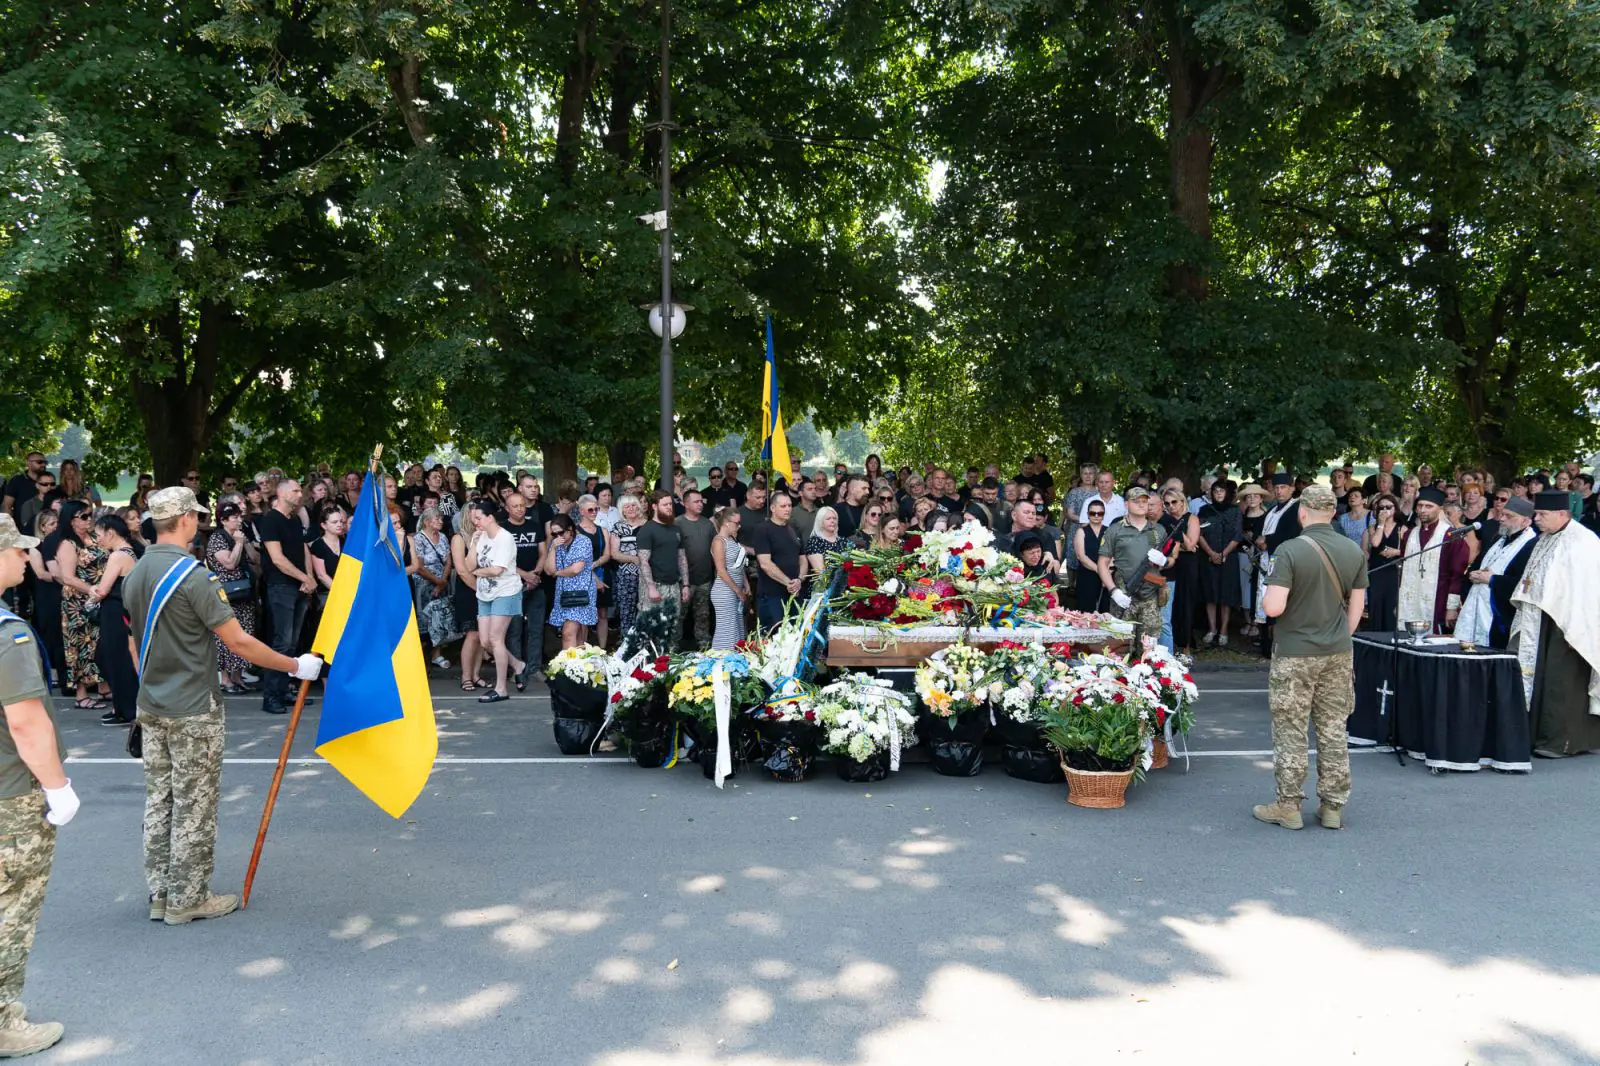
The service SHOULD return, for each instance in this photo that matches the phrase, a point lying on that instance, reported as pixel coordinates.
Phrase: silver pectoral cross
(1384, 692)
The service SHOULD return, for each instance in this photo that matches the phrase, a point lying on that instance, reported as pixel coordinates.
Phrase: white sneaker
(1222, 640)
(248, 676)
(441, 662)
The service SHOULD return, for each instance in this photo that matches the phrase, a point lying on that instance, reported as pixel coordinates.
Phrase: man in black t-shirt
(525, 637)
(856, 491)
(943, 488)
(974, 477)
(538, 510)
(23, 487)
(752, 515)
(717, 494)
(781, 566)
(736, 489)
(286, 565)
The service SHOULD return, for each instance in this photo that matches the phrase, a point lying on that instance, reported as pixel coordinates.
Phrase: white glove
(63, 804)
(308, 667)
(1121, 599)
(1156, 558)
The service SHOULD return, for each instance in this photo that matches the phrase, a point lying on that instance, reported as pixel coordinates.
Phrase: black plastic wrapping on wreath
(575, 736)
(788, 749)
(876, 768)
(647, 730)
(1030, 764)
(955, 745)
(571, 700)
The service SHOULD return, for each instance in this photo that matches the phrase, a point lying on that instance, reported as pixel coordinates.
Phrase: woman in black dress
(111, 650)
(47, 598)
(1089, 593)
(1385, 542)
(1221, 530)
(1185, 570)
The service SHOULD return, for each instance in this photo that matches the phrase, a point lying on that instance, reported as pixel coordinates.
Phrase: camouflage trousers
(701, 616)
(1147, 612)
(182, 778)
(1314, 690)
(27, 844)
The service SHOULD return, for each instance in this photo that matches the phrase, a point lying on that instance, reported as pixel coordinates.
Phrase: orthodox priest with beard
(1487, 613)
(1557, 637)
(1434, 577)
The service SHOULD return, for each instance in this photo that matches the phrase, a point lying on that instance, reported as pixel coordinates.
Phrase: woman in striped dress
(728, 593)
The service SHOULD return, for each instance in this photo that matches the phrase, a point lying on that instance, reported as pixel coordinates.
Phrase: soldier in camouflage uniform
(35, 798)
(1133, 540)
(180, 710)
(1316, 592)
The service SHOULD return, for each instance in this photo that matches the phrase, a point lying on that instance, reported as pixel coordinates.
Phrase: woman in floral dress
(624, 552)
(571, 563)
(225, 556)
(79, 566)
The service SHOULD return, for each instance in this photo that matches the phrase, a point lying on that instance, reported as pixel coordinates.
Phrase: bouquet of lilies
(956, 679)
(861, 715)
(1033, 676)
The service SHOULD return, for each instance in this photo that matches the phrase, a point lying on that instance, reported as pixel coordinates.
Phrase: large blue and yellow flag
(774, 444)
(377, 725)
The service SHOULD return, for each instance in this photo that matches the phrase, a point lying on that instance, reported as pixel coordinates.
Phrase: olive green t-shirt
(663, 543)
(1126, 547)
(1314, 622)
(21, 678)
(180, 673)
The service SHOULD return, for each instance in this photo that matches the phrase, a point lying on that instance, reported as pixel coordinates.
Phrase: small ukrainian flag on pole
(377, 726)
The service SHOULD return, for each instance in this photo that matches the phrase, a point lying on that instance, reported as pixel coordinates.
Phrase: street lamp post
(669, 313)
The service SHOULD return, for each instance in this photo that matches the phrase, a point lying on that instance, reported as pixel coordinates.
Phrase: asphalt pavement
(538, 908)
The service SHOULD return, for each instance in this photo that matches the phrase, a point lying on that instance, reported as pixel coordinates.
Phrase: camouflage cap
(12, 537)
(170, 503)
(1318, 498)
(1137, 492)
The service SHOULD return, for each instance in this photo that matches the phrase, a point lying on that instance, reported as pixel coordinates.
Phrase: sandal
(87, 704)
(468, 685)
(492, 697)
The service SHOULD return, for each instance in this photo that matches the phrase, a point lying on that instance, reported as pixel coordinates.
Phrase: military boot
(1283, 812)
(158, 908)
(19, 1037)
(1330, 817)
(213, 906)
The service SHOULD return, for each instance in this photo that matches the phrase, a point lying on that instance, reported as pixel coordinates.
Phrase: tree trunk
(1086, 448)
(1191, 87)
(560, 464)
(625, 453)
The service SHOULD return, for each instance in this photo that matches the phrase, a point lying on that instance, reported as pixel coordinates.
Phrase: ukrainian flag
(774, 445)
(377, 726)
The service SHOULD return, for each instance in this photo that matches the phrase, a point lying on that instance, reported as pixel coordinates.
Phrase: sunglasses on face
(1096, 514)
(1386, 507)
(1502, 499)
(47, 484)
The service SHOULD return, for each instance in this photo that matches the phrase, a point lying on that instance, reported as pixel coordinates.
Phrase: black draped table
(1453, 709)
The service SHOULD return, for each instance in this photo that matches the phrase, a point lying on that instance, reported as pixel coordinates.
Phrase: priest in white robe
(1557, 635)
(1487, 613)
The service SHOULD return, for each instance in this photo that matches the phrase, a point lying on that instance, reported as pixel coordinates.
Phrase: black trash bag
(575, 736)
(1026, 735)
(876, 768)
(1029, 764)
(788, 749)
(571, 700)
(706, 756)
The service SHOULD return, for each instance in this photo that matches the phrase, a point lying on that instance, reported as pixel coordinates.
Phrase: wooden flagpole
(283, 756)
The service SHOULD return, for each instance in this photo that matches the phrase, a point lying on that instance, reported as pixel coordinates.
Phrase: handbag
(239, 590)
(136, 741)
(572, 599)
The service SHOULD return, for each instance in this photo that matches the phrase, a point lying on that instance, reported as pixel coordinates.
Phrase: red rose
(912, 542)
(1186, 677)
(616, 697)
(662, 662)
(1161, 718)
(1117, 698)
(811, 716)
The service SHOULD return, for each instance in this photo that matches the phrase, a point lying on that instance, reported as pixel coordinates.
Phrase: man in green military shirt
(1316, 592)
(1132, 544)
(35, 798)
(178, 612)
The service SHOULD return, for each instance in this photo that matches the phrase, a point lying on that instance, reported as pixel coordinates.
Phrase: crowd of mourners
(497, 566)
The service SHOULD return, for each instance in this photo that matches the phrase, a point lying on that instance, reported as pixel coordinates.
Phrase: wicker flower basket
(1097, 788)
(1159, 755)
